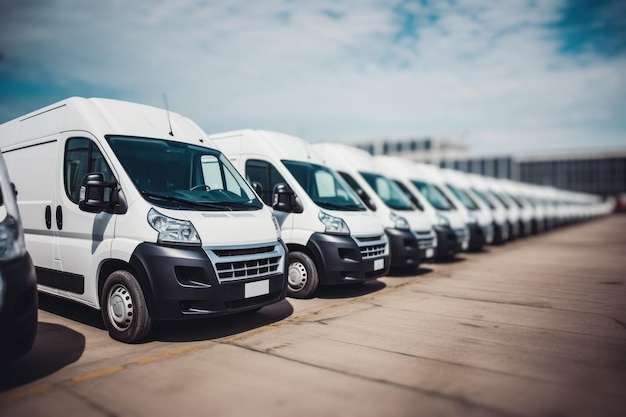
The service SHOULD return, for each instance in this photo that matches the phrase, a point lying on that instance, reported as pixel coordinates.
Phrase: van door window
(82, 156)
(266, 175)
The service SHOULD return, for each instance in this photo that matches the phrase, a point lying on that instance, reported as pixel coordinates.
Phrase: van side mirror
(284, 199)
(416, 202)
(92, 192)
(257, 187)
(366, 199)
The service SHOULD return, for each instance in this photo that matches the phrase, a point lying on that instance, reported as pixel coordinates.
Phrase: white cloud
(329, 69)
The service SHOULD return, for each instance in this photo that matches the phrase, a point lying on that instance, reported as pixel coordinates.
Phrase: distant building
(596, 172)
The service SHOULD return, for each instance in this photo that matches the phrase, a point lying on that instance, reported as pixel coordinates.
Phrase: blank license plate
(254, 289)
(430, 253)
(379, 264)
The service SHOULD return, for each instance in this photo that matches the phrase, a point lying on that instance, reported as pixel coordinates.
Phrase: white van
(414, 181)
(480, 217)
(129, 209)
(512, 190)
(480, 187)
(409, 231)
(496, 189)
(332, 237)
(18, 283)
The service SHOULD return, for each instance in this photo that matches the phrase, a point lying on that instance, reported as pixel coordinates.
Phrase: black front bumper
(404, 247)
(447, 243)
(339, 261)
(18, 310)
(477, 237)
(500, 233)
(180, 283)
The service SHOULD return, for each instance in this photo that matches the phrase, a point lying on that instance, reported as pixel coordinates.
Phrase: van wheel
(124, 308)
(302, 279)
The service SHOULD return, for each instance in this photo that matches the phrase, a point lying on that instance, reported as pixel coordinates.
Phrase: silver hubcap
(297, 276)
(120, 307)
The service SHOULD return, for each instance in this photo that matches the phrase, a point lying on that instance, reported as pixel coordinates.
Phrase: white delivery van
(131, 210)
(331, 236)
(511, 190)
(479, 186)
(18, 283)
(481, 222)
(477, 237)
(413, 180)
(540, 213)
(411, 237)
(496, 189)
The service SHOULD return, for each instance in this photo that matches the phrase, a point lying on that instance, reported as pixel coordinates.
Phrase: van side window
(82, 156)
(265, 174)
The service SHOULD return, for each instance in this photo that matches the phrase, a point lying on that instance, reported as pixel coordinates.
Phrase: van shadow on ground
(55, 347)
(349, 290)
(409, 272)
(218, 327)
(195, 329)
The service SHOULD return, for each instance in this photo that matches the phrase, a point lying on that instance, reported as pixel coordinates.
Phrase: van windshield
(463, 197)
(484, 197)
(434, 195)
(324, 186)
(388, 191)
(178, 175)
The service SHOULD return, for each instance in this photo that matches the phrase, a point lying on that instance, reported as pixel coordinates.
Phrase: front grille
(246, 262)
(243, 251)
(425, 239)
(372, 246)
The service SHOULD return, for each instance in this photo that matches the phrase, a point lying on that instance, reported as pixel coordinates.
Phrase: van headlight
(333, 224)
(399, 222)
(173, 230)
(277, 226)
(11, 240)
(442, 221)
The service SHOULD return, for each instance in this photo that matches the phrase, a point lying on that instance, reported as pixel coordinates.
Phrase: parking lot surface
(536, 327)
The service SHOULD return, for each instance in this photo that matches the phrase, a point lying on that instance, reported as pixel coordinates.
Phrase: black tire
(124, 309)
(302, 277)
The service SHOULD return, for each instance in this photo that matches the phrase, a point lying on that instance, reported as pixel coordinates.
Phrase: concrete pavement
(533, 328)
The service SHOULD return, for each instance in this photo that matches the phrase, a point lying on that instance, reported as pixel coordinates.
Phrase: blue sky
(500, 76)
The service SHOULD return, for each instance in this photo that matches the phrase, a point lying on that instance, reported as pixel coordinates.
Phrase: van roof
(273, 145)
(346, 157)
(100, 116)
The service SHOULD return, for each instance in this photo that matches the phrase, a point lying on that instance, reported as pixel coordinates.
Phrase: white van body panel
(478, 182)
(513, 189)
(513, 212)
(457, 178)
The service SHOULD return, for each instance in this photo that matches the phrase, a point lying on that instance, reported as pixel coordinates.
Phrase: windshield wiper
(239, 204)
(183, 201)
(333, 206)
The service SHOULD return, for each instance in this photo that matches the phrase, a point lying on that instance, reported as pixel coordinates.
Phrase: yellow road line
(170, 354)
(27, 392)
(99, 373)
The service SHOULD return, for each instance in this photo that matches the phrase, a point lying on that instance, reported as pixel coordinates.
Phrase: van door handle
(48, 217)
(59, 217)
